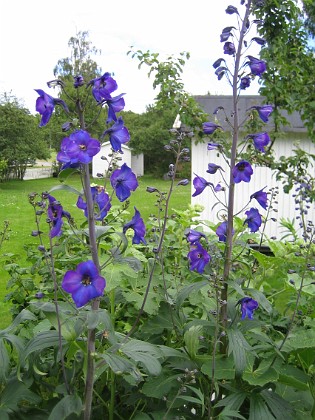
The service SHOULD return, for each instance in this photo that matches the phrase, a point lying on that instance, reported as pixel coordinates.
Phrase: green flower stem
(229, 231)
(89, 383)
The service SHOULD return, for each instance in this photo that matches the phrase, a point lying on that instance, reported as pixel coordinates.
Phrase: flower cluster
(77, 151)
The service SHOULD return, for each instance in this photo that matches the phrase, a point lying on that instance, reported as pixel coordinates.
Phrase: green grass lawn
(14, 207)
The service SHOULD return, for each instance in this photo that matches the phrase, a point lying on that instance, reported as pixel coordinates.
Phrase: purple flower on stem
(221, 231)
(194, 236)
(198, 258)
(45, 106)
(248, 306)
(84, 283)
(218, 62)
(212, 168)
(78, 81)
(210, 127)
(200, 184)
(257, 67)
(118, 134)
(123, 180)
(115, 104)
(231, 9)
(253, 219)
(225, 36)
(212, 146)
(78, 147)
(229, 48)
(264, 111)
(242, 171)
(261, 197)
(55, 214)
(138, 226)
(102, 87)
(101, 200)
(261, 140)
(245, 82)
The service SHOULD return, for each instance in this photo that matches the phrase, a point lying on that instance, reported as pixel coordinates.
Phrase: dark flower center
(241, 167)
(82, 146)
(199, 255)
(86, 281)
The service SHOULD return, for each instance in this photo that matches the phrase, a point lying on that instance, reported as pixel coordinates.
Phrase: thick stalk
(96, 302)
(229, 234)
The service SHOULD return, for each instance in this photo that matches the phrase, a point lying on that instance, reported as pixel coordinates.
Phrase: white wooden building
(100, 165)
(262, 176)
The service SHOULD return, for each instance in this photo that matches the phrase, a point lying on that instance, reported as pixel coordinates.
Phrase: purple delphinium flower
(229, 48)
(257, 67)
(101, 199)
(78, 147)
(123, 180)
(242, 171)
(260, 41)
(231, 9)
(210, 127)
(55, 214)
(212, 168)
(200, 184)
(118, 134)
(225, 36)
(264, 111)
(261, 197)
(115, 104)
(212, 146)
(248, 306)
(45, 105)
(253, 219)
(102, 87)
(261, 140)
(221, 231)
(245, 82)
(193, 236)
(138, 226)
(84, 283)
(198, 258)
(218, 62)
(78, 81)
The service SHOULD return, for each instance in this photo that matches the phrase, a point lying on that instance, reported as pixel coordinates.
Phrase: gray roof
(210, 102)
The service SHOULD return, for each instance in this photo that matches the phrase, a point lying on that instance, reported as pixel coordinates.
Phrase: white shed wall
(261, 177)
(100, 166)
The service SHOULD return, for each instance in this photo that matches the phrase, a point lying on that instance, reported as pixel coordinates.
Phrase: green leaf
(192, 342)
(160, 386)
(280, 408)
(65, 188)
(223, 368)
(187, 290)
(232, 401)
(238, 346)
(68, 405)
(292, 376)
(258, 409)
(24, 315)
(14, 392)
(4, 361)
(145, 353)
(262, 375)
(3, 414)
(42, 341)
(100, 231)
(228, 414)
(300, 339)
(119, 364)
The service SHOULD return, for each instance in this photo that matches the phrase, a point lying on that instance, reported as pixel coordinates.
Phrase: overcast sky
(34, 35)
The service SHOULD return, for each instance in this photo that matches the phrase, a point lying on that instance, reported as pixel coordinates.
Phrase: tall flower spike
(101, 200)
(55, 214)
(257, 67)
(102, 87)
